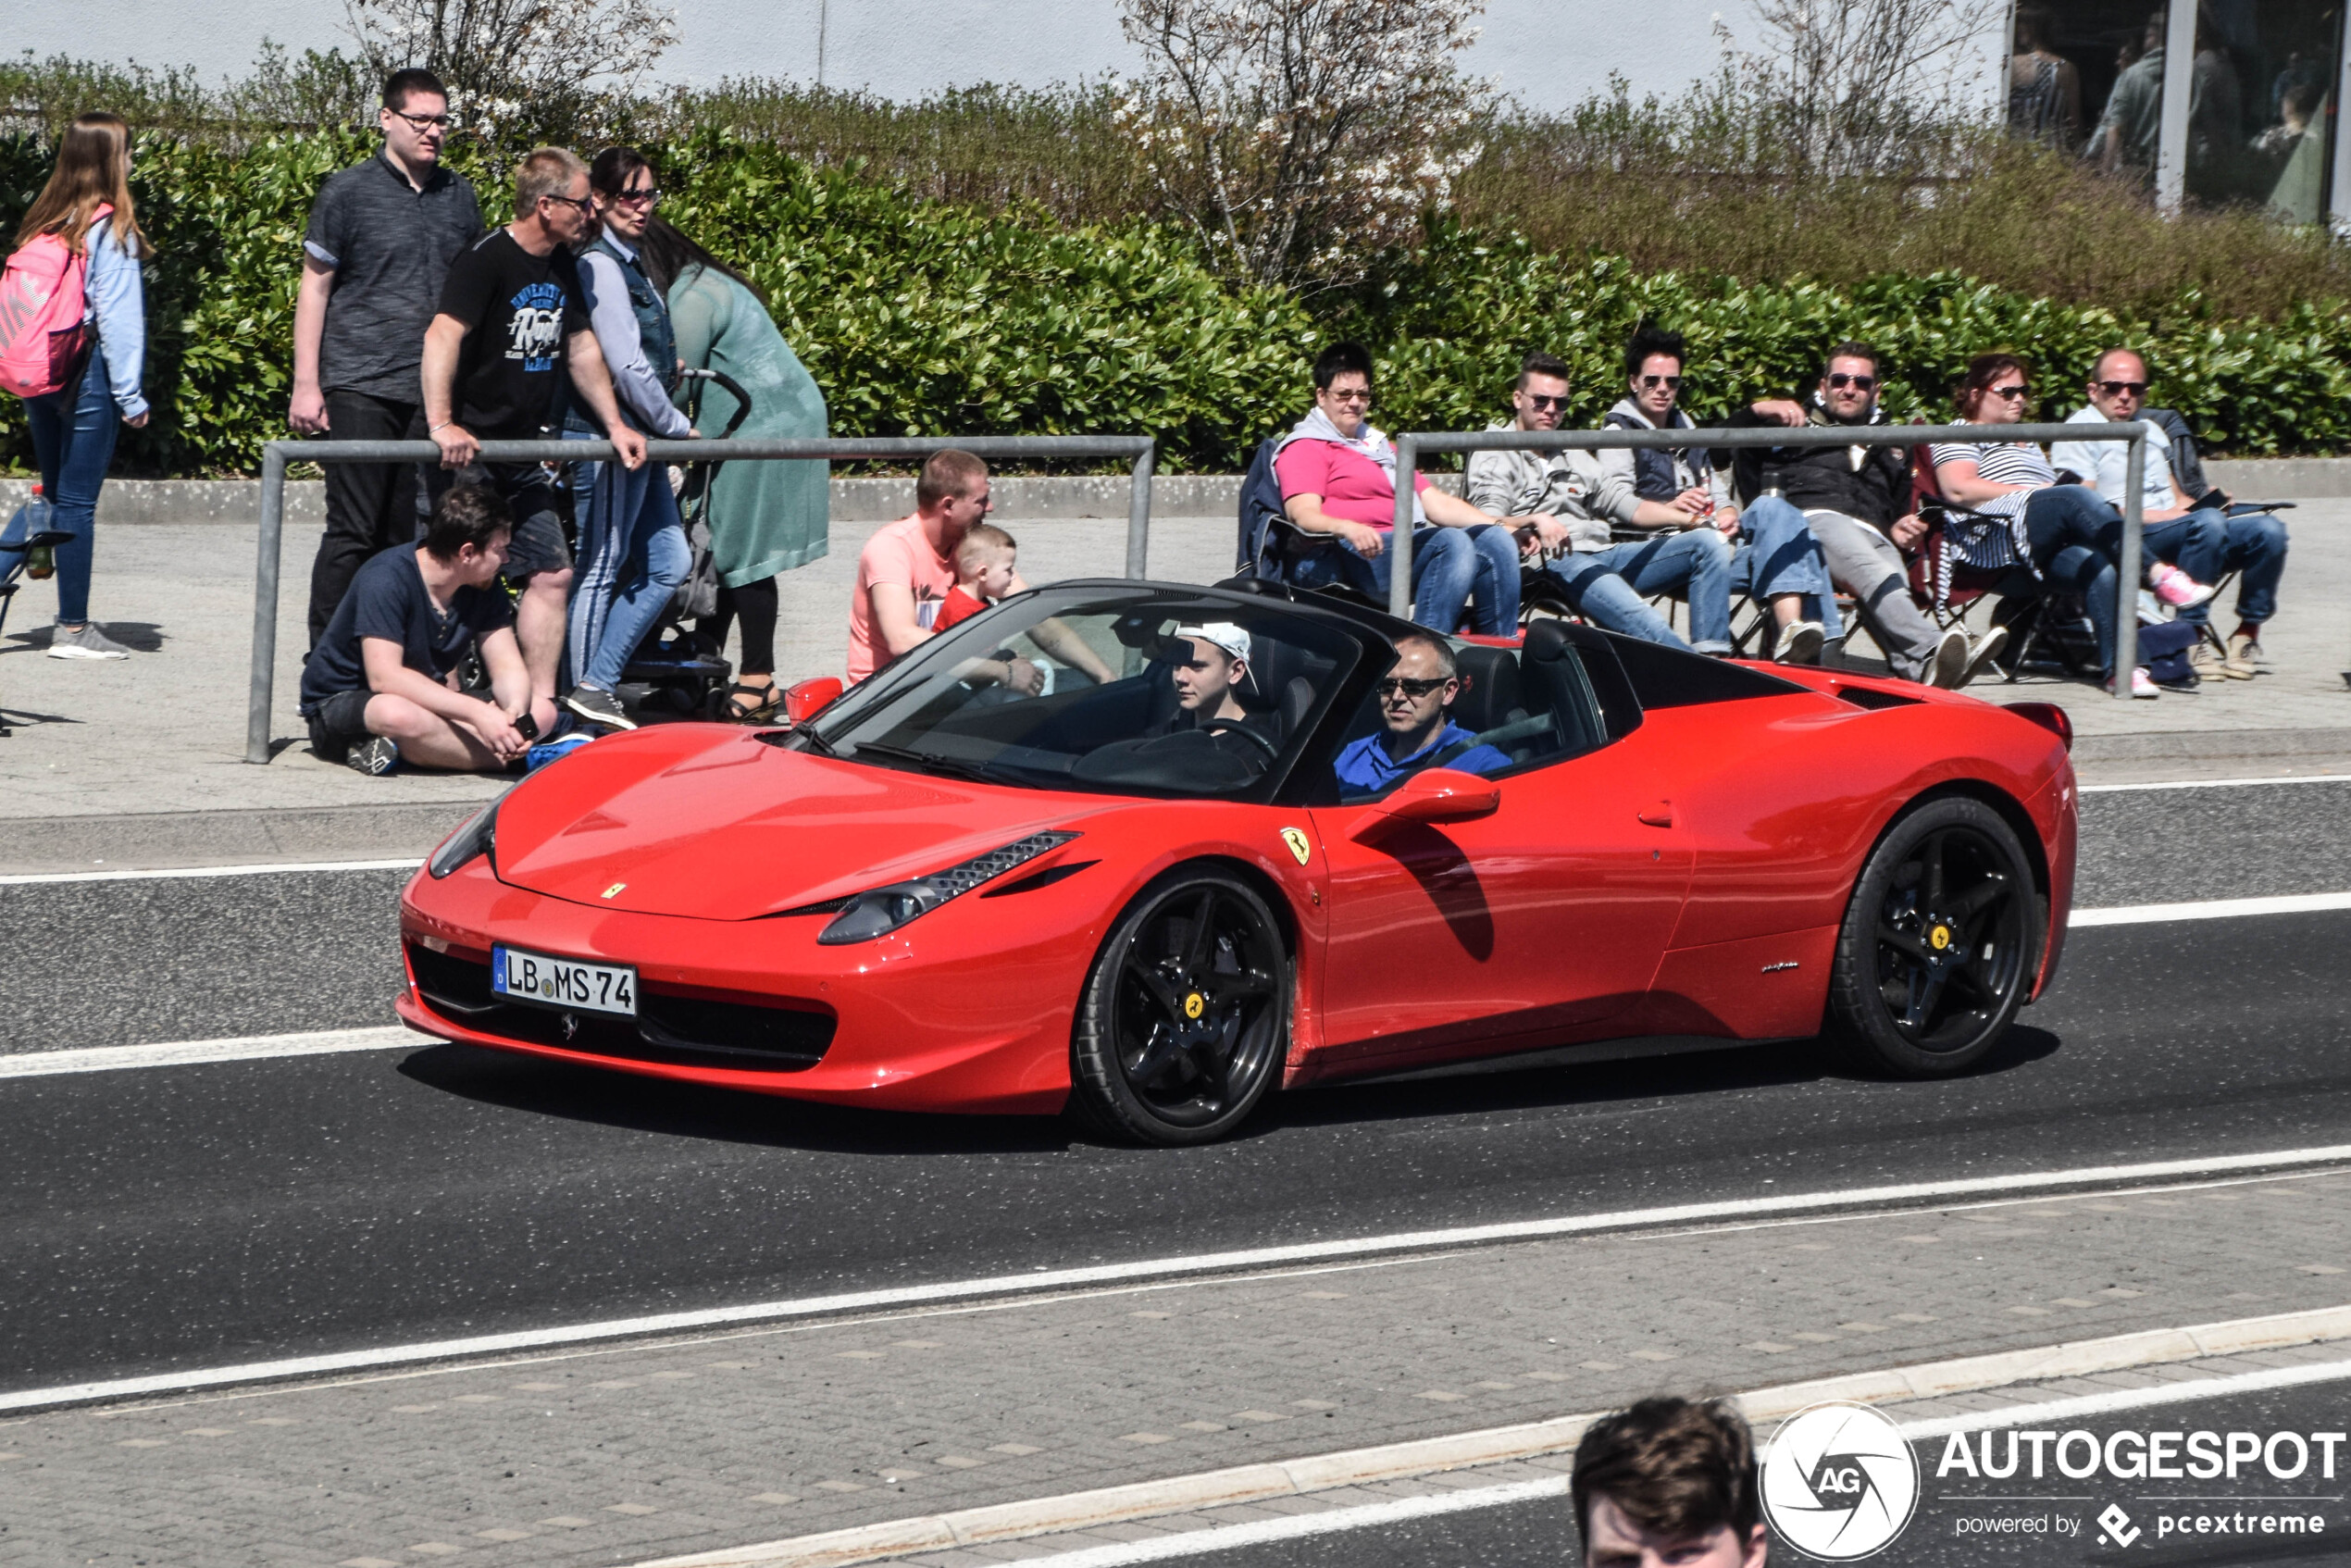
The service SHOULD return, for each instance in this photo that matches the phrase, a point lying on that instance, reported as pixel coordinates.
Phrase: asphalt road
(179, 1217)
(1543, 1531)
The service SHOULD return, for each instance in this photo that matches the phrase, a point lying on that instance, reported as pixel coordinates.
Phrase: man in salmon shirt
(1339, 478)
(911, 564)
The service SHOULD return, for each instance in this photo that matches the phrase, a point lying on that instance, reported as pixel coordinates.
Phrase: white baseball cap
(1223, 634)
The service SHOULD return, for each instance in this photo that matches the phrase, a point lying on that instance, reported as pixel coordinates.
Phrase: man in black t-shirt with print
(512, 328)
(378, 688)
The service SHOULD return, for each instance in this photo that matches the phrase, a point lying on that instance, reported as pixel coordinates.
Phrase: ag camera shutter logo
(1840, 1481)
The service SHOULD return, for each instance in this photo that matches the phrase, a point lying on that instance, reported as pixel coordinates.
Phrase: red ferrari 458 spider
(1146, 851)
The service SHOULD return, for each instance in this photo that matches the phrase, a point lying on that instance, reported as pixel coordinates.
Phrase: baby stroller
(46, 539)
(675, 674)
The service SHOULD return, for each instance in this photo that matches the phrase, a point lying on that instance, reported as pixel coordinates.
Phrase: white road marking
(2084, 1405)
(2215, 783)
(1048, 1279)
(2210, 909)
(185, 872)
(182, 1053)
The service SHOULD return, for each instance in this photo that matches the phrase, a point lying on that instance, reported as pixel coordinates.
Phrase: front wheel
(1939, 943)
(1185, 1017)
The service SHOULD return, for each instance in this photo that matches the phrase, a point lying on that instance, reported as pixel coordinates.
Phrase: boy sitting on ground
(380, 686)
(984, 573)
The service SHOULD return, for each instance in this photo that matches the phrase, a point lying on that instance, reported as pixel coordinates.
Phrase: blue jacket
(117, 304)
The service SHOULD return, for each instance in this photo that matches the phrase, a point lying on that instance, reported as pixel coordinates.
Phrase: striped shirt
(2012, 463)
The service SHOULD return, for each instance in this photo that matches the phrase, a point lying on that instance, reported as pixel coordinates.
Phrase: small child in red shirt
(984, 573)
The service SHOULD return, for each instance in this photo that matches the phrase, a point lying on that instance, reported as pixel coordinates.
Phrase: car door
(1537, 925)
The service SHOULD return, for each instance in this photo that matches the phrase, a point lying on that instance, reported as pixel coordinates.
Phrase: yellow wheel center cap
(1940, 936)
(1195, 1005)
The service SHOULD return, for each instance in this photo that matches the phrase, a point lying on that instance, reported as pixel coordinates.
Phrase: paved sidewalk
(163, 732)
(636, 1452)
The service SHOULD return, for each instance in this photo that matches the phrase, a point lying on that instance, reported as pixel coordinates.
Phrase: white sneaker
(85, 641)
(1950, 658)
(1982, 651)
(1799, 644)
(2142, 684)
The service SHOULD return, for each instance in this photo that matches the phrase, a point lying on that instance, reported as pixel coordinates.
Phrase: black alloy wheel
(1939, 945)
(1185, 1018)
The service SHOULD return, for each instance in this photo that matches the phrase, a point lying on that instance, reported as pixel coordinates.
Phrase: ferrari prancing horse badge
(1300, 849)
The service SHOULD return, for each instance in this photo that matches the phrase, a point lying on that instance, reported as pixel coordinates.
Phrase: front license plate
(572, 984)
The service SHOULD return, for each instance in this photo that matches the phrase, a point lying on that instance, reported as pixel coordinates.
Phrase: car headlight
(879, 911)
(476, 838)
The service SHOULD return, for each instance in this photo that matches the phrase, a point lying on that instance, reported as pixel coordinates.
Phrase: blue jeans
(2076, 539)
(72, 450)
(632, 556)
(2197, 545)
(1609, 587)
(2255, 546)
(1778, 555)
(1449, 566)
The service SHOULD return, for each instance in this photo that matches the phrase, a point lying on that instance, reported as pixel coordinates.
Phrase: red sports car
(1146, 851)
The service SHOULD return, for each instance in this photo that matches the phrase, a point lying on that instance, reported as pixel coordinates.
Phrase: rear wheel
(1939, 943)
(1185, 1018)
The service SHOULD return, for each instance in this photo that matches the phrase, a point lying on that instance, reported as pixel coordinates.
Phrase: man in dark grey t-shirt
(378, 249)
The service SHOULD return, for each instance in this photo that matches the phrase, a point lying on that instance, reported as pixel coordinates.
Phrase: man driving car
(1416, 728)
(1216, 662)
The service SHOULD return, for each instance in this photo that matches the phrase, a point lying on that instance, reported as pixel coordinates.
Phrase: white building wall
(1547, 53)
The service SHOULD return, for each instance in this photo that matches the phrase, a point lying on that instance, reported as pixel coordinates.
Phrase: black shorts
(539, 544)
(339, 724)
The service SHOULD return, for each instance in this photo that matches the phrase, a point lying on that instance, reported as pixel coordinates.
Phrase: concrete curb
(2204, 746)
(1251, 1483)
(130, 502)
(254, 836)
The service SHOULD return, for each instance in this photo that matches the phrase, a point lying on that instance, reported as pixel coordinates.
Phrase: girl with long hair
(87, 204)
(765, 517)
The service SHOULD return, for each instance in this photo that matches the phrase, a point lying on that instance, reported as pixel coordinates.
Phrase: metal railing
(1410, 447)
(275, 455)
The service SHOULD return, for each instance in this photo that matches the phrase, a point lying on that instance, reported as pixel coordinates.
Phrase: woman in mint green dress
(765, 517)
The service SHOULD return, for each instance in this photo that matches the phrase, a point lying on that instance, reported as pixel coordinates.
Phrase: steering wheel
(1272, 752)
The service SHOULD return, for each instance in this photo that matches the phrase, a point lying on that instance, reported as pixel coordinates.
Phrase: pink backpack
(42, 302)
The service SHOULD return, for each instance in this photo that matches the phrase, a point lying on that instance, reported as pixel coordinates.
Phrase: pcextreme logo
(1839, 1483)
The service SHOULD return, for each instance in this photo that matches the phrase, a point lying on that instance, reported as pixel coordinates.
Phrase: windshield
(1122, 690)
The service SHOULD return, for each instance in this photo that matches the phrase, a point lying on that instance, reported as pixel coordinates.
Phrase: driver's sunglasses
(648, 196)
(2118, 389)
(1546, 404)
(424, 122)
(1410, 688)
(1840, 380)
(1653, 382)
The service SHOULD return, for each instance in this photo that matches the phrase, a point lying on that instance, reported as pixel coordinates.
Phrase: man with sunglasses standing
(1856, 500)
(1576, 504)
(2195, 534)
(378, 248)
(512, 324)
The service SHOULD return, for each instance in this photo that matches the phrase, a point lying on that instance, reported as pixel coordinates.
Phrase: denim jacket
(116, 302)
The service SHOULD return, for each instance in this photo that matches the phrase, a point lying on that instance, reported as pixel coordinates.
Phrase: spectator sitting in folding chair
(1338, 476)
(1778, 561)
(2186, 522)
(1857, 502)
(1576, 503)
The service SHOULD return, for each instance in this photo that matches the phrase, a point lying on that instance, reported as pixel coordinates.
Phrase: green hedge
(921, 318)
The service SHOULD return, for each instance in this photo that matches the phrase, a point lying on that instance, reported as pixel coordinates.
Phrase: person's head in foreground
(1669, 1482)
(1212, 659)
(468, 533)
(951, 495)
(985, 562)
(1539, 398)
(1415, 693)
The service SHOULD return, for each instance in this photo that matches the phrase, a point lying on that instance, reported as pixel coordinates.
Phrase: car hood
(718, 824)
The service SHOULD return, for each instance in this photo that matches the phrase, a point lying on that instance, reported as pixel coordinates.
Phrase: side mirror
(1437, 794)
(810, 697)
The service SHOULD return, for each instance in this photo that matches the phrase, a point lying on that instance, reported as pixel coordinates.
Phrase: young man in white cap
(1215, 660)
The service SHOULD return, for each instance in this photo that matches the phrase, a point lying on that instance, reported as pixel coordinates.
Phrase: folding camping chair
(48, 539)
(2041, 631)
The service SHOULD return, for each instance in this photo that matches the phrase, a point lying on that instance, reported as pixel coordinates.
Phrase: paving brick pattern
(636, 1452)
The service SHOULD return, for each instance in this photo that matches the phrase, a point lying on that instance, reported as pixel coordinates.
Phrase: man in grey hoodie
(1578, 504)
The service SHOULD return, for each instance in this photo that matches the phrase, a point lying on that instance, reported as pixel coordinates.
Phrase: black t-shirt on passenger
(518, 308)
(388, 599)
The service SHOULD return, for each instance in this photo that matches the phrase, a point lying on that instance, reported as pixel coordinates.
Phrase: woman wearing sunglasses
(2063, 533)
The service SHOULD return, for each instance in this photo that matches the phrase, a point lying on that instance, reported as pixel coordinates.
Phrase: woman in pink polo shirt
(1339, 478)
